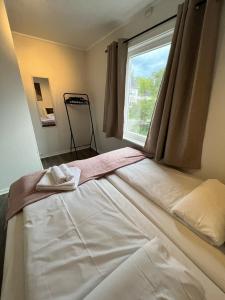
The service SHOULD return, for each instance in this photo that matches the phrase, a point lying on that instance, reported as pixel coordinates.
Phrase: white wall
(18, 148)
(213, 159)
(65, 68)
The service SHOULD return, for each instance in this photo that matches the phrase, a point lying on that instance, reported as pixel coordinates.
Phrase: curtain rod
(160, 23)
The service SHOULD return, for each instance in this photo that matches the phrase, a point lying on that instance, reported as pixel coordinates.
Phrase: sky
(145, 64)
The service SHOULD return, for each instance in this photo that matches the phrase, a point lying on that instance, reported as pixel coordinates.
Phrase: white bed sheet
(149, 273)
(63, 246)
(149, 199)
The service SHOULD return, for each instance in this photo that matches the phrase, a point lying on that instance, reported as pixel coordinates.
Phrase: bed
(69, 244)
(48, 120)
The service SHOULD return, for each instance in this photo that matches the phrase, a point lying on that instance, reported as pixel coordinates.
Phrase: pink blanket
(23, 191)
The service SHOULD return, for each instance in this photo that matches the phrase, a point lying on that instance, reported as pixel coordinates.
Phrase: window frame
(149, 44)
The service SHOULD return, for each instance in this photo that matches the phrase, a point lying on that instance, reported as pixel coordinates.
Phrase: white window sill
(133, 141)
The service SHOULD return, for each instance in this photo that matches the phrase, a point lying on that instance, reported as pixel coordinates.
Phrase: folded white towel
(58, 175)
(66, 171)
(47, 182)
(76, 175)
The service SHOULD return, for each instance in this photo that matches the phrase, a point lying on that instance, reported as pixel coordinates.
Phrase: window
(145, 69)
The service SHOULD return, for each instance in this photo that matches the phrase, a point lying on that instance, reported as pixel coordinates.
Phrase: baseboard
(62, 152)
(4, 191)
(54, 153)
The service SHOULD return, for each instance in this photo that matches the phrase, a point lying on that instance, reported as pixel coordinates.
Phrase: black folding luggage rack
(78, 99)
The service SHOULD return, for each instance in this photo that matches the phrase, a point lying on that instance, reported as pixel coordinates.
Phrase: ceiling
(79, 23)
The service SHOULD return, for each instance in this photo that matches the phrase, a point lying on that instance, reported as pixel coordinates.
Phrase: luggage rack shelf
(79, 99)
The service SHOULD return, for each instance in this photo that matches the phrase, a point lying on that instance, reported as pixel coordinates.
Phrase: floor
(46, 162)
(67, 157)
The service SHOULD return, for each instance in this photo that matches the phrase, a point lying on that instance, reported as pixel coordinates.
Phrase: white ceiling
(79, 23)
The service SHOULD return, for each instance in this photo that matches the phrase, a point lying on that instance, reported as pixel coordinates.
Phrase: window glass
(145, 70)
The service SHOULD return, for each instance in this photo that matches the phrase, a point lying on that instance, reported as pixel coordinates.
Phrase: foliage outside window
(140, 111)
(145, 70)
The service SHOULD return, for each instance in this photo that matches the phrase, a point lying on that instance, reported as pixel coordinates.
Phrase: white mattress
(63, 246)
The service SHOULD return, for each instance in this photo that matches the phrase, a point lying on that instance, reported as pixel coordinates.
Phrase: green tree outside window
(140, 110)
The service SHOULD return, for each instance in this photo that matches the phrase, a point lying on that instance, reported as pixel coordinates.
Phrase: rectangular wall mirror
(44, 101)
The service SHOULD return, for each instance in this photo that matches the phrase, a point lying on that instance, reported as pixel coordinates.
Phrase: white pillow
(204, 211)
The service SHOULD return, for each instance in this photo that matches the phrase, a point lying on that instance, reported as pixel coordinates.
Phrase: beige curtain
(115, 89)
(177, 129)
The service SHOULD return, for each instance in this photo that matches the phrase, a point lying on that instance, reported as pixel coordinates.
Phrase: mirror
(44, 101)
